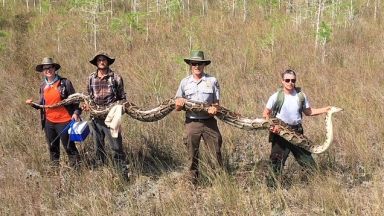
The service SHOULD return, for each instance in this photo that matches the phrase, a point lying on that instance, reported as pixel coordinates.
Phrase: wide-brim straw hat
(47, 61)
(109, 59)
(197, 56)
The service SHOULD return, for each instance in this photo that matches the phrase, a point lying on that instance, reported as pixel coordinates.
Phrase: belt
(198, 120)
(297, 128)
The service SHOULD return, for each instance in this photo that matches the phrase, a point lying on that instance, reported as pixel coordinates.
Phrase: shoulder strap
(113, 84)
(301, 102)
(63, 87)
(90, 84)
(41, 92)
(279, 103)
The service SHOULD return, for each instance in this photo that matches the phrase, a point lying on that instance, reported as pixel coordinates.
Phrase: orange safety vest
(52, 96)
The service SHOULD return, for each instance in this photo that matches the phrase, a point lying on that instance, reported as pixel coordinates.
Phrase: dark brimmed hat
(109, 59)
(197, 56)
(47, 61)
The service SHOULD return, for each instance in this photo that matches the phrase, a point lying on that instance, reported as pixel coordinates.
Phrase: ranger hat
(109, 59)
(197, 56)
(47, 61)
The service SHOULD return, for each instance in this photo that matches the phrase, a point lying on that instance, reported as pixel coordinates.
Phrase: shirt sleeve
(271, 101)
(180, 90)
(88, 88)
(70, 88)
(216, 90)
(306, 102)
(120, 88)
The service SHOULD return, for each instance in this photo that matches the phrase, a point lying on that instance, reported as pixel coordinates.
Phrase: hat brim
(188, 61)
(94, 60)
(39, 68)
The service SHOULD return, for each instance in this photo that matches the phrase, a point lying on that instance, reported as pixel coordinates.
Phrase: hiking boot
(191, 177)
(74, 161)
(271, 182)
(125, 173)
(95, 163)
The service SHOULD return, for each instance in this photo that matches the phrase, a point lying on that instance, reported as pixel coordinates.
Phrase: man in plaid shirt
(106, 87)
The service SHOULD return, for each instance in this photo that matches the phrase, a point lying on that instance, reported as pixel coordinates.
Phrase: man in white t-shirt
(288, 104)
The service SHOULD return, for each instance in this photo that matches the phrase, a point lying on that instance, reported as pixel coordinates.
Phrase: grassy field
(336, 47)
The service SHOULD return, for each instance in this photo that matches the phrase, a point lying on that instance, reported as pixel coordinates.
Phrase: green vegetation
(335, 46)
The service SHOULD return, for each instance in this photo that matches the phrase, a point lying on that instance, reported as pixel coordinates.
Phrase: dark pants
(194, 131)
(281, 149)
(52, 133)
(100, 131)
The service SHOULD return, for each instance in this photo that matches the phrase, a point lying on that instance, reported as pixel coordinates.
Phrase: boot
(74, 161)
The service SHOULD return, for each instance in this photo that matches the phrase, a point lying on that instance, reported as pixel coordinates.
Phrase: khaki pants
(194, 131)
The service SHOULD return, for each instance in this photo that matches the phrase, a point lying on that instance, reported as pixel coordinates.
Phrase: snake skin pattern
(223, 114)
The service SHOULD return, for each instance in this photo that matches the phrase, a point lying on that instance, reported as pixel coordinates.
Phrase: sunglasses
(47, 67)
(196, 63)
(290, 80)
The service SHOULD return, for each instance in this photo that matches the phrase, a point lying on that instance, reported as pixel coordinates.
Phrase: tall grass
(247, 56)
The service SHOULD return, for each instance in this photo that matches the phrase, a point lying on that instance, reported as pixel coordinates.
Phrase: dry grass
(247, 57)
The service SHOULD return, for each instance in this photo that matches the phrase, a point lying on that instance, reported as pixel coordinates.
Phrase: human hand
(274, 129)
(179, 103)
(75, 117)
(212, 110)
(29, 102)
(85, 107)
(327, 108)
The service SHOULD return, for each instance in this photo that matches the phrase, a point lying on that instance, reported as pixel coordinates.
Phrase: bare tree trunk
(233, 7)
(134, 6)
(27, 1)
(333, 12)
(297, 19)
(190, 42)
(147, 24)
(245, 10)
(94, 33)
(351, 10)
(111, 9)
(58, 42)
(290, 7)
(324, 42)
(95, 26)
(319, 11)
(203, 5)
(166, 8)
(377, 5)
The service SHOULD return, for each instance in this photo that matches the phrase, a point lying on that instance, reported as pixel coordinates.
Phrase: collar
(52, 82)
(109, 73)
(203, 78)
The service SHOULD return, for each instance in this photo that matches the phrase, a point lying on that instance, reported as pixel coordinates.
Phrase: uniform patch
(208, 84)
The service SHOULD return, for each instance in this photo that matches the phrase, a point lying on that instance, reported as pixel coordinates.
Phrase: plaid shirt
(106, 90)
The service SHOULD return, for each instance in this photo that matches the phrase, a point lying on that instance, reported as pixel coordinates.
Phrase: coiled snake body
(223, 114)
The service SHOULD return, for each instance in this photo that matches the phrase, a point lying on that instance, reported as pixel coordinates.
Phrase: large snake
(224, 114)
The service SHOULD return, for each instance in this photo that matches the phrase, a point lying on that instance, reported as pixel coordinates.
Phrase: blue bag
(78, 131)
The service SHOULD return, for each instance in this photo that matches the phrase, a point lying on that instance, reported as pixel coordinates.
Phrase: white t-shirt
(289, 112)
